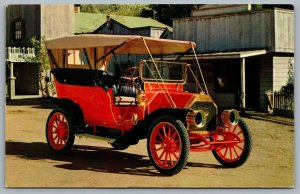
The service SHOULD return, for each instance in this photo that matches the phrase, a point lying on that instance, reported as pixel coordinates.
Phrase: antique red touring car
(123, 88)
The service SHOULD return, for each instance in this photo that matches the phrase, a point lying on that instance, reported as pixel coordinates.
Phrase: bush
(288, 89)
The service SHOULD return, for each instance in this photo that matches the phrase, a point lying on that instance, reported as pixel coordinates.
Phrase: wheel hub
(61, 130)
(169, 145)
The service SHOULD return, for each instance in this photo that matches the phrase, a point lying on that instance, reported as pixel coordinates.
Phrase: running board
(101, 138)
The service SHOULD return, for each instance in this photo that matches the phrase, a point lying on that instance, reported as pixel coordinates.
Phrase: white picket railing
(19, 54)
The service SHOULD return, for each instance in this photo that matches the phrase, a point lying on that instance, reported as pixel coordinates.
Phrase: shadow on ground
(99, 159)
(43, 103)
(25, 101)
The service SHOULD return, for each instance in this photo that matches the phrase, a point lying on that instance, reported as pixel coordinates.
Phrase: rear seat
(124, 95)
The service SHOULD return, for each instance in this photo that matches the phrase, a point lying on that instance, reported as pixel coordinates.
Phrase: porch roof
(230, 55)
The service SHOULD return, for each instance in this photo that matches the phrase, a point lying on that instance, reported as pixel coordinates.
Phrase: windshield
(168, 71)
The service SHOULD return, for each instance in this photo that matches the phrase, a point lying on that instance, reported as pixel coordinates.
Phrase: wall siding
(156, 32)
(243, 31)
(118, 28)
(266, 80)
(57, 20)
(284, 31)
(280, 71)
(40, 20)
(227, 32)
(210, 9)
(30, 14)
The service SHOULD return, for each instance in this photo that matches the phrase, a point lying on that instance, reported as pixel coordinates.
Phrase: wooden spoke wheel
(59, 131)
(168, 145)
(233, 154)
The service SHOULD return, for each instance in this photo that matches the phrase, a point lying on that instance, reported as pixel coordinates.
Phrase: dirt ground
(30, 163)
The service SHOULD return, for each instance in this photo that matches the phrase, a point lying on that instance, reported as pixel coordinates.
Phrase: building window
(19, 29)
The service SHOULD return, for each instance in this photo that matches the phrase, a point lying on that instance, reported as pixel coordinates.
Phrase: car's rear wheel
(234, 154)
(60, 130)
(168, 145)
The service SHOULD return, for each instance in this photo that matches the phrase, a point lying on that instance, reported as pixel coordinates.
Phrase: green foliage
(289, 87)
(257, 6)
(90, 8)
(41, 55)
(291, 73)
(161, 12)
(166, 12)
(115, 9)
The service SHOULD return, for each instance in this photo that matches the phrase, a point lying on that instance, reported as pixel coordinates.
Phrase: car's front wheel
(168, 145)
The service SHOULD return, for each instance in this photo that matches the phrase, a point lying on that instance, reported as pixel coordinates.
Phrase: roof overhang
(232, 55)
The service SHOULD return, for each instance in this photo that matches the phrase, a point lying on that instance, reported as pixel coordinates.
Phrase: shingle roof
(89, 22)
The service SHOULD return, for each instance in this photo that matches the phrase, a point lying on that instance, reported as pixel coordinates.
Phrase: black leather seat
(130, 91)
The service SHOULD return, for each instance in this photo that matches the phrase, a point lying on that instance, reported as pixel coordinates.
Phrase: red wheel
(236, 153)
(168, 145)
(59, 132)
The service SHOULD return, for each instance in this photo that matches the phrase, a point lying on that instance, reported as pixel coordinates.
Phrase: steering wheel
(130, 77)
(128, 70)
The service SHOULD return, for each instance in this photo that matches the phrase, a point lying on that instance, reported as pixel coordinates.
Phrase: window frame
(19, 29)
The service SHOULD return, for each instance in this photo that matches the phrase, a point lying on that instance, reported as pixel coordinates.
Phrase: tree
(116, 9)
(161, 12)
(166, 12)
(291, 73)
(90, 8)
(41, 57)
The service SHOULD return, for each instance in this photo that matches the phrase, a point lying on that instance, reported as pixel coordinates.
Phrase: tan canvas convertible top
(99, 49)
(131, 43)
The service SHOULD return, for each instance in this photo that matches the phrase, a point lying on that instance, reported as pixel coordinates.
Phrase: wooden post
(243, 83)
(12, 82)
(11, 74)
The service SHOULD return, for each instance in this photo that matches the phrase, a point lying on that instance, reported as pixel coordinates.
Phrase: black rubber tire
(247, 148)
(71, 136)
(185, 142)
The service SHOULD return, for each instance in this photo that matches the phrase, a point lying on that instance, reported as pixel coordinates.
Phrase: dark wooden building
(23, 22)
(244, 53)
